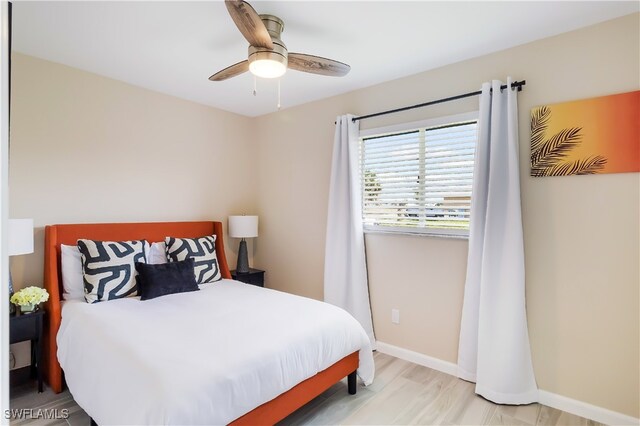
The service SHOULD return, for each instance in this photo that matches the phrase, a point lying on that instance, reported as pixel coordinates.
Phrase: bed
(275, 353)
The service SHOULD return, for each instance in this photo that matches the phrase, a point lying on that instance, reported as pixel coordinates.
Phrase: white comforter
(205, 357)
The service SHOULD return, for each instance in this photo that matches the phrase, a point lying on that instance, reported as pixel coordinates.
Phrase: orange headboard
(69, 234)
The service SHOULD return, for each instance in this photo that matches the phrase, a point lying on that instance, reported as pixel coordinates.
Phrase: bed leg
(93, 422)
(352, 383)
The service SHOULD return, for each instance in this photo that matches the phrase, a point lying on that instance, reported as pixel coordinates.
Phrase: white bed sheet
(205, 357)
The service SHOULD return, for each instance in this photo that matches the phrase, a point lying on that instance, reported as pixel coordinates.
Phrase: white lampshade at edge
(20, 235)
(243, 226)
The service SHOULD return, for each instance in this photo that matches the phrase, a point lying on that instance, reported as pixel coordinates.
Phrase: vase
(27, 309)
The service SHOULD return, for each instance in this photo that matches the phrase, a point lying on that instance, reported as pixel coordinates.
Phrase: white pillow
(72, 281)
(157, 253)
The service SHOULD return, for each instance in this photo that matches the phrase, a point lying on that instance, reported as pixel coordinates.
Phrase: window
(418, 179)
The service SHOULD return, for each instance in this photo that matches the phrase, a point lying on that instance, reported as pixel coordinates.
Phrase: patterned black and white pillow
(201, 250)
(108, 268)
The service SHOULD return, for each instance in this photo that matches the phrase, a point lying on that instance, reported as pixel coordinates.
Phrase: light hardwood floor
(402, 393)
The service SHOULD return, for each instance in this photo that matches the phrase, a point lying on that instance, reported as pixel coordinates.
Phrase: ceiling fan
(268, 55)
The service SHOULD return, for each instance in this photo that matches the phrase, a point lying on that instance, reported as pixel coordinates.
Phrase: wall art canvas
(590, 136)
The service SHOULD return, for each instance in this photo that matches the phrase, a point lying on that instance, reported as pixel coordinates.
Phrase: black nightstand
(29, 327)
(254, 276)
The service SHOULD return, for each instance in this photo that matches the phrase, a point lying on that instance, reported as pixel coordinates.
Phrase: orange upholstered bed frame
(55, 235)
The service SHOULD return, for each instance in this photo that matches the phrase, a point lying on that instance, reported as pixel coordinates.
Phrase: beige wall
(85, 148)
(581, 233)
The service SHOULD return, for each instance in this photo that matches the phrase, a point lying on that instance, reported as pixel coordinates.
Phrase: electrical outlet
(395, 316)
(21, 354)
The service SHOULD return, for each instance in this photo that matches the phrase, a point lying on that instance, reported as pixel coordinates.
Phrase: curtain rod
(515, 85)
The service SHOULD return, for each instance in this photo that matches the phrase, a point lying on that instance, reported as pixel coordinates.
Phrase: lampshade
(243, 226)
(20, 236)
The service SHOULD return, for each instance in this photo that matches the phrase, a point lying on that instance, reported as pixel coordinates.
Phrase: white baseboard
(553, 400)
(583, 409)
(417, 358)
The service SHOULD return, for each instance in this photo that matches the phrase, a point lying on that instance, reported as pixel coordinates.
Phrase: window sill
(434, 234)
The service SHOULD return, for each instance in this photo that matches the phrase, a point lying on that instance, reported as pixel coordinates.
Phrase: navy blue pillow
(166, 278)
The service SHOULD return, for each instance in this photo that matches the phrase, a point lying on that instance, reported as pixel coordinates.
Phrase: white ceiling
(173, 47)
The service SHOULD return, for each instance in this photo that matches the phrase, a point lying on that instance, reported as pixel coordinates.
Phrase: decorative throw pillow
(108, 268)
(201, 250)
(165, 278)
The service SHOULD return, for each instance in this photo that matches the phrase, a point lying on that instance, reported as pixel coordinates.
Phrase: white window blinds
(419, 180)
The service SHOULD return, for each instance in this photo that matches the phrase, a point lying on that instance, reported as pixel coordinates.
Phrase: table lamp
(243, 227)
(20, 235)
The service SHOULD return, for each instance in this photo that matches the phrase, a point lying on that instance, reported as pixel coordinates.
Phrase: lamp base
(242, 265)
(12, 308)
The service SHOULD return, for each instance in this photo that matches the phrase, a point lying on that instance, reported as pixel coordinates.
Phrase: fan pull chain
(255, 85)
(278, 94)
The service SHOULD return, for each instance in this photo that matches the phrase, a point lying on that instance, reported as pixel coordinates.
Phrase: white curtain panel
(494, 347)
(345, 265)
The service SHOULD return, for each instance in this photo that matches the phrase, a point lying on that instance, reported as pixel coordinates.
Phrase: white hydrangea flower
(30, 296)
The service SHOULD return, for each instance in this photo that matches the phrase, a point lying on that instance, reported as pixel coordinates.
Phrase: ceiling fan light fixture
(267, 68)
(268, 56)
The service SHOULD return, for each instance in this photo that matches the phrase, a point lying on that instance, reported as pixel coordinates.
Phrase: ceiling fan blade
(232, 71)
(317, 65)
(249, 23)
